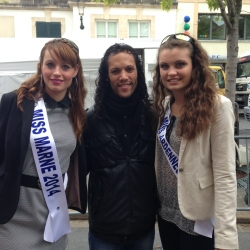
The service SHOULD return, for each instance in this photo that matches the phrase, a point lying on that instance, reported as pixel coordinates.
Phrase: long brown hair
(200, 95)
(34, 87)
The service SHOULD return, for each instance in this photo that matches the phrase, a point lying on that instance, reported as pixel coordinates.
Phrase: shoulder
(91, 122)
(90, 112)
(9, 96)
(8, 101)
(223, 104)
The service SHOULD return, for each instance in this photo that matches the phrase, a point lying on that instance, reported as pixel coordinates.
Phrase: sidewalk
(242, 216)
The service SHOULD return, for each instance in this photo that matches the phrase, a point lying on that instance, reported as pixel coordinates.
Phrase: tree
(231, 19)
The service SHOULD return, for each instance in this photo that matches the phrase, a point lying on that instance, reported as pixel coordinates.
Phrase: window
(48, 29)
(244, 27)
(138, 29)
(212, 27)
(8, 29)
(106, 29)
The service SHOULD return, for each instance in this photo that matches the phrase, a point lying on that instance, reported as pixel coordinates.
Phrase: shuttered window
(48, 29)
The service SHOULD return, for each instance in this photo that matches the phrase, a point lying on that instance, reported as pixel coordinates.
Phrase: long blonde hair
(34, 87)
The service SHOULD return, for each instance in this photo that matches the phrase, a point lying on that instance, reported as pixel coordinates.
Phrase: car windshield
(243, 69)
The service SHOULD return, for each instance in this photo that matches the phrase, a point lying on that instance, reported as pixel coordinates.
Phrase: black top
(64, 103)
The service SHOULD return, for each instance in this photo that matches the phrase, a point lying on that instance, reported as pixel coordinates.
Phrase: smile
(174, 80)
(124, 84)
(56, 81)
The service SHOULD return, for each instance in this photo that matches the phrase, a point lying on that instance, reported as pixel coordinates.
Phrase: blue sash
(171, 156)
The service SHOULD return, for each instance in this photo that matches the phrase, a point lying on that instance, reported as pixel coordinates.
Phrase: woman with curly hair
(195, 151)
(42, 152)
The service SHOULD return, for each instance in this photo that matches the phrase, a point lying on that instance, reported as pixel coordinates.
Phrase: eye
(130, 69)
(164, 66)
(65, 66)
(49, 65)
(115, 71)
(180, 64)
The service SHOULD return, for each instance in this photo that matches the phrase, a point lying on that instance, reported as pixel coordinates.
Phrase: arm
(4, 111)
(225, 185)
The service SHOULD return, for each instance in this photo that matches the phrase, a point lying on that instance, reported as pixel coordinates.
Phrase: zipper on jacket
(130, 192)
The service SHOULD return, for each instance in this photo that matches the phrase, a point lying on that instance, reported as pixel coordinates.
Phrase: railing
(246, 138)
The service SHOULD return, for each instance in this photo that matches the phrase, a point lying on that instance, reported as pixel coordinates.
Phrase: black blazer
(15, 126)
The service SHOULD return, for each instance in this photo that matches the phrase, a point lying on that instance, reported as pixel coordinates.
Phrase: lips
(174, 80)
(124, 86)
(56, 81)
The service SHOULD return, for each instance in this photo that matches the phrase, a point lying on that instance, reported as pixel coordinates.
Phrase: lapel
(182, 149)
(27, 114)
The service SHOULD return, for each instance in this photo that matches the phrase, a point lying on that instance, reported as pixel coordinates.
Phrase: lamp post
(81, 13)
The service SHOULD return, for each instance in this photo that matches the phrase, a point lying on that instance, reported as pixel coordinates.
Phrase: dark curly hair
(102, 81)
(200, 95)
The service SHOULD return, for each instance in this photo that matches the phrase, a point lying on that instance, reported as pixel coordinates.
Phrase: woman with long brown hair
(42, 152)
(195, 151)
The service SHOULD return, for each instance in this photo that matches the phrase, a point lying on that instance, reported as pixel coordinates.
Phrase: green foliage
(106, 2)
(213, 4)
(166, 4)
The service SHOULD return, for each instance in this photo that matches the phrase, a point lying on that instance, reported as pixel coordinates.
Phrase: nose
(123, 75)
(57, 71)
(172, 71)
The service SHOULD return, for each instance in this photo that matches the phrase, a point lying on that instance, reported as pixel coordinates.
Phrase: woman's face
(57, 75)
(175, 69)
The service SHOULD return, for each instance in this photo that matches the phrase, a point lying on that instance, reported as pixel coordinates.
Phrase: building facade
(25, 26)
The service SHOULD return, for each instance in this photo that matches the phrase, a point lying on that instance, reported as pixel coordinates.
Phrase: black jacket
(15, 127)
(122, 189)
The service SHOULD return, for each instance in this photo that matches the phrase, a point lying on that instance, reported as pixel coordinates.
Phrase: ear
(76, 70)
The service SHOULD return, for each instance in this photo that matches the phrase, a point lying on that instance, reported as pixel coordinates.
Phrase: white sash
(171, 156)
(50, 175)
(204, 227)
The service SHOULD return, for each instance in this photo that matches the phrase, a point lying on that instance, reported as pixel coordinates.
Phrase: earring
(42, 85)
(74, 87)
(76, 82)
